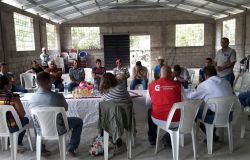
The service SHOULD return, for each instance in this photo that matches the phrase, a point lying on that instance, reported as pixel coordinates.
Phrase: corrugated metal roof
(65, 10)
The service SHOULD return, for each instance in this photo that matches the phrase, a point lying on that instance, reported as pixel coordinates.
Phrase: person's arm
(30, 71)
(18, 106)
(127, 75)
(58, 74)
(62, 102)
(230, 64)
(199, 93)
(134, 72)
(148, 100)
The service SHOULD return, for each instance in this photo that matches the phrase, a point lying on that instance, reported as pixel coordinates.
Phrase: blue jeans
(72, 86)
(244, 98)
(24, 121)
(76, 124)
(230, 77)
(16, 88)
(135, 82)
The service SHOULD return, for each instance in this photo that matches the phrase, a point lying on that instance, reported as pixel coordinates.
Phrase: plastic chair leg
(106, 145)
(129, 144)
(182, 140)
(4, 143)
(13, 143)
(209, 132)
(62, 146)
(38, 147)
(194, 143)
(29, 139)
(157, 139)
(175, 144)
(230, 137)
(243, 125)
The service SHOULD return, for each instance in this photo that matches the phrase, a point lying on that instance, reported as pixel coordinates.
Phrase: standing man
(44, 58)
(161, 96)
(76, 75)
(140, 76)
(45, 97)
(208, 62)
(225, 60)
(121, 73)
(157, 68)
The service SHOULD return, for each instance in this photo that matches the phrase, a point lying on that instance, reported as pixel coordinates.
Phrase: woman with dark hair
(8, 98)
(112, 90)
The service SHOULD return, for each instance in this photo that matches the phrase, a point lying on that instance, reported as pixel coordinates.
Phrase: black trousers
(152, 128)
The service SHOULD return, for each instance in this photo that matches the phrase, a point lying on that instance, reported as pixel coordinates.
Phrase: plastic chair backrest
(223, 107)
(189, 110)
(28, 79)
(191, 75)
(4, 130)
(88, 75)
(46, 118)
(245, 82)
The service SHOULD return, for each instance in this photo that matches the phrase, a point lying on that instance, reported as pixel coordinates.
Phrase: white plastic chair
(191, 75)
(223, 107)
(28, 81)
(45, 118)
(5, 133)
(189, 110)
(88, 75)
(60, 63)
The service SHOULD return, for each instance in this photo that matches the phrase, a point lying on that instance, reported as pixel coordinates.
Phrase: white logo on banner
(157, 88)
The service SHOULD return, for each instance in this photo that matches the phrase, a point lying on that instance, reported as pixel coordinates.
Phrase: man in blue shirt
(157, 68)
(208, 62)
(76, 75)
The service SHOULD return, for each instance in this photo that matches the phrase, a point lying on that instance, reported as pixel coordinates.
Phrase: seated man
(208, 62)
(44, 97)
(76, 75)
(162, 94)
(140, 76)
(157, 68)
(55, 75)
(121, 73)
(181, 75)
(213, 86)
(98, 71)
(10, 76)
(35, 68)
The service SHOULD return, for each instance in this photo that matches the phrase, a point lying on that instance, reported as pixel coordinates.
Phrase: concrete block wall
(242, 35)
(20, 61)
(161, 29)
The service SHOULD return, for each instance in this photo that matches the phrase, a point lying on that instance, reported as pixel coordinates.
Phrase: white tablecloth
(87, 108)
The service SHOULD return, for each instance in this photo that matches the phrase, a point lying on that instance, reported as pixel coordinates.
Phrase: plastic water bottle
(65, 91)
(95, 92)
(53, 88)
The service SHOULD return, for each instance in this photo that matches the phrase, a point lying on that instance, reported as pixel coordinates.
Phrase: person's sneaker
(45, 152)
(72, 153)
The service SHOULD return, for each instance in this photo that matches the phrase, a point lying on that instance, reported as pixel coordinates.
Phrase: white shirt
(224, 57)
(212, 87)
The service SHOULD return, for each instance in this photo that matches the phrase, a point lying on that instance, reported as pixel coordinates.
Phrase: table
(87, 108)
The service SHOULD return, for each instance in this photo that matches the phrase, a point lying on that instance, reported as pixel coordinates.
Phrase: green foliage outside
(229, 30)
(189, 35)
(85, 37)
(51, 36)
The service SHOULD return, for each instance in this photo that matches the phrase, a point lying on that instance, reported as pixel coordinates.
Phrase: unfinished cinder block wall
(20, 61)
(159, 24)
(242, 35)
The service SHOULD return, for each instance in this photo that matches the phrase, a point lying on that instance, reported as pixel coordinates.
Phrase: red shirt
(164, 93)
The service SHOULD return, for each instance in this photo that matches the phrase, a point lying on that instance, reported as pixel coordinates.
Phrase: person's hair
(43, 78)
(33, 61)
(210, 71)
(98, 60)
(177, 68)
(3, 64)
(108, 81)
(138, 63)
(209, 59)
(3, 81)
(226, 39)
